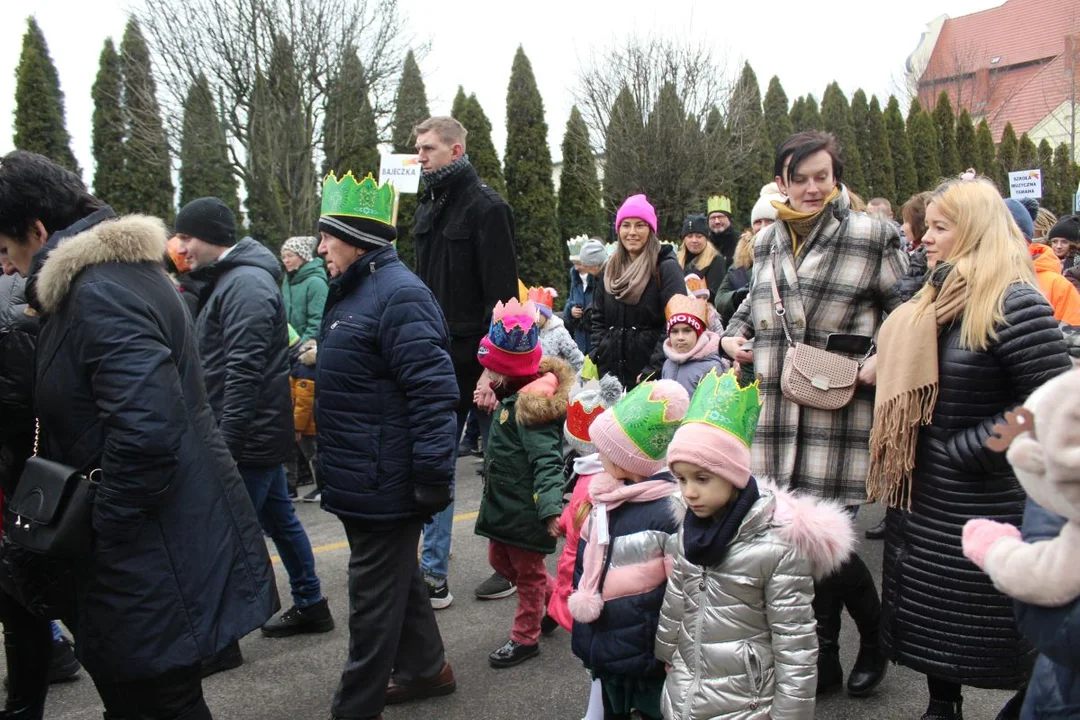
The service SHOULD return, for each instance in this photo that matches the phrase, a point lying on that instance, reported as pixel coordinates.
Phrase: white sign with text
(1025, 184)
(401, 171)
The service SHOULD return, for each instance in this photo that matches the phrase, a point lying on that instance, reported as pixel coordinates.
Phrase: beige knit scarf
(629, 285)
(907, 388)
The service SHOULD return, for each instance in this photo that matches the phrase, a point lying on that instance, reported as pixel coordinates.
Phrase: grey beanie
(592, 253)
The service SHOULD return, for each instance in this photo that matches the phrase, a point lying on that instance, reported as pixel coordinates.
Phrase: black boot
(877, 532)
(827, 613)
(862, 602)
(227, 658)
(944, 710)
(1011, 711)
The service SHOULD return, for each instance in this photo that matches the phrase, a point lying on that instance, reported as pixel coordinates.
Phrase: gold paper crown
(364, 199)
(687, 306)
(719, 203)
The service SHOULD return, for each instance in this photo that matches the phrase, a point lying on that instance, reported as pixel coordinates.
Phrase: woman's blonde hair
(744, 251)
(1044, 223)
(703, 260)
(989, 253)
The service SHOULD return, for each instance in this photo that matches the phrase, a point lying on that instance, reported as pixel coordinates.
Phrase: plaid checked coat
(843, 281)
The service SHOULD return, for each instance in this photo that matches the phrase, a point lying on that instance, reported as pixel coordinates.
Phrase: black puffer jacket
(941, 615)
(911, 283)
(244, 345)
(178, 566)
(627, 340)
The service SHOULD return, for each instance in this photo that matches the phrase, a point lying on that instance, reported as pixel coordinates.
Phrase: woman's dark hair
(802, 145)
(34, 188)
(913, 213)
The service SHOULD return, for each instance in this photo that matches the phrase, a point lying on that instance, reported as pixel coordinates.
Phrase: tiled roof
(1028, 80)
(1018, 31)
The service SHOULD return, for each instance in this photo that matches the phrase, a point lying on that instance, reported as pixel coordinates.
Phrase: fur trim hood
(553, 323)
(820, 530)
(130, 239)
(537, 404)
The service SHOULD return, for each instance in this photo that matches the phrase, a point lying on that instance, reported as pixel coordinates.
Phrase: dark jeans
(270, 496)
(176, 695)
(28, 650)
(392, 628)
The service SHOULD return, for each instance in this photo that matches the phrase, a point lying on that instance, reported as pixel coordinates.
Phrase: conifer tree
(907, 177)
(542, 257)
(108, 128)
(1045, 162)
(350, 134)
(410, 109)
(1061, 177)
(623, 140)
(459, 104)
(836, 116)
(966, 144)
(205, 170)
(798, 110)
(579, 206)
(1027, 155)
(811, 114)
(39, 102)
(881, 176)
(1008, 150)
(986, 163)
(745, 125)
(924, 147)
(146, 158)
(945, 129)
(860, 126)
(479, 145)
(719, 179)
(777, 120)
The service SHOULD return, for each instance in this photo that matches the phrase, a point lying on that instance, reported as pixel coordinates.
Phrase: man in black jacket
(722, 232)
(244, 346)
(464, 235)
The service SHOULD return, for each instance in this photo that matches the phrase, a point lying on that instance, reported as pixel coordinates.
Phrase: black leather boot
(827, 610)
(944, 710)
(864, 605)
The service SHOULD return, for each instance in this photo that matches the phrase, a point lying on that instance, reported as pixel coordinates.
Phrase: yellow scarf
(800, 224)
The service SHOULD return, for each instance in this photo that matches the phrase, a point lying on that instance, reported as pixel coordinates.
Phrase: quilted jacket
(942, 615)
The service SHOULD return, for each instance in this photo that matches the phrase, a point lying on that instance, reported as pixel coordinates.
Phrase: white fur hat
(763, 209)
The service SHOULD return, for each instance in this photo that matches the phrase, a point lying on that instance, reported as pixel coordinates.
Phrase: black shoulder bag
(50, 513)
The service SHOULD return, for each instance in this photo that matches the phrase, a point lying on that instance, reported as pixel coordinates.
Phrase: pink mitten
(981, 534)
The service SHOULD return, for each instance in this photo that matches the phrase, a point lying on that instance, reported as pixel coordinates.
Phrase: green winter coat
(305, 298)
(523, 477)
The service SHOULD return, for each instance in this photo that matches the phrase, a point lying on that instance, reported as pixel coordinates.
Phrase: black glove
(432, 499)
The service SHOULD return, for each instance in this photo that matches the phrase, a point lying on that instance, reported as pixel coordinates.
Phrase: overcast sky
(473, 44)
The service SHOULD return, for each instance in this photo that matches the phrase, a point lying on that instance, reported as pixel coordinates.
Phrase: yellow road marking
(343, 545)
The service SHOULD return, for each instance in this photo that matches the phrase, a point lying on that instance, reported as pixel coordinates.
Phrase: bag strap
(778, 304)
(37, 435)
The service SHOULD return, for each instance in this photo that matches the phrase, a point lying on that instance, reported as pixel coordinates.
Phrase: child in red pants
(523, 478)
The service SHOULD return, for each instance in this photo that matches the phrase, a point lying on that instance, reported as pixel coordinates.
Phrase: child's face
(617, 472)
(706, 493)
(542, 319)
(683, 338)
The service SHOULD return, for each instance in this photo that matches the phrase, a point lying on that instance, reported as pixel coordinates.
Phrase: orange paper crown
(697, 286)
(686, 305)
(543, 296)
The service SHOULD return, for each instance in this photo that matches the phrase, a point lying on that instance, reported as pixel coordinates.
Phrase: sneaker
(293, 494)
(548, 625)
(64, 667)
(467, 448)
(313, 497)
(314, 618)
(439, 593)
(511, 654)
(495, 587)
(227, 658)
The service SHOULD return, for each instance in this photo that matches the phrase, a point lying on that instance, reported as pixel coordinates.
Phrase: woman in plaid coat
(837, 272)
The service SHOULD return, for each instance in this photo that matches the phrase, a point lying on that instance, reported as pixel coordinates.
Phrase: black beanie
(695, 224)
(1067, 227)
(357, 231)
(207, 219)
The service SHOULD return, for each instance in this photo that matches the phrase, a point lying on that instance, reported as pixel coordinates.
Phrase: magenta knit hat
(634, 434)
(637, 206)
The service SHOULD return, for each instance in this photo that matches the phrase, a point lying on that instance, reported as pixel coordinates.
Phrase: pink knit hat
(637, 206)
(634, 434)
(718, 428)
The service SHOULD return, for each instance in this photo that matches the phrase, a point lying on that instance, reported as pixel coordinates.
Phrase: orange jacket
(303, 397)
(1059, 292)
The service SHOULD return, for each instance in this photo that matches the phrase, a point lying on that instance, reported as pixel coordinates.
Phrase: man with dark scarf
(722, 232)
(464, 235)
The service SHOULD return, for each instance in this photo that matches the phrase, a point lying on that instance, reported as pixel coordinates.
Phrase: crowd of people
(693, 435)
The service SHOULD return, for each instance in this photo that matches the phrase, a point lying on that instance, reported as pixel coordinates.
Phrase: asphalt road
(294, 678)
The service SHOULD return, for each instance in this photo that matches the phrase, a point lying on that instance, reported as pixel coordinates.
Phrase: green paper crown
(719, 203)
(644, 420)
(720, 401)
(364, 199)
